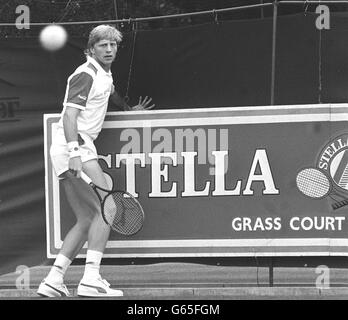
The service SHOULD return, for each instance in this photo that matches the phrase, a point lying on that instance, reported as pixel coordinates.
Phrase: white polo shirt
(88, 89)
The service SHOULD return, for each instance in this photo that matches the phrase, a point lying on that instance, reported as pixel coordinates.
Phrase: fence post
(271, 266)
(274, 36)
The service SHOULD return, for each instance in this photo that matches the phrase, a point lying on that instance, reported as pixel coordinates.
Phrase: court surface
(191, 281)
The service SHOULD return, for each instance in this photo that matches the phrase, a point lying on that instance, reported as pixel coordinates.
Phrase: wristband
(72, 145)
(74, 149)
(74, 154)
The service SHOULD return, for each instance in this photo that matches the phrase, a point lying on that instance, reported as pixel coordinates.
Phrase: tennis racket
(119, 209)
(316, 184)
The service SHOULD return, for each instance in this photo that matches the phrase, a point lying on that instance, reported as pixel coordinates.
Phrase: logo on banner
(333, 160)
(8, 108)
(330, 175)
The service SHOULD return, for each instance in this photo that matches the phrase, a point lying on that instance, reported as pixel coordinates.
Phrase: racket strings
(123, 213)
(313, 183)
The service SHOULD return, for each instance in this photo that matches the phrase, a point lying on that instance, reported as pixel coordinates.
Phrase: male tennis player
(84, 108)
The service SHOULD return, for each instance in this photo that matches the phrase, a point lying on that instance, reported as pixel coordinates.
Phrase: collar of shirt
(98, 66)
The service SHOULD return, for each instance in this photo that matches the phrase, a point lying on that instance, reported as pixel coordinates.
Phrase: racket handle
(339, 204)
(86, 178)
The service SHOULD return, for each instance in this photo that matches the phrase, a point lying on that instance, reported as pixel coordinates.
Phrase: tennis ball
(53, 37)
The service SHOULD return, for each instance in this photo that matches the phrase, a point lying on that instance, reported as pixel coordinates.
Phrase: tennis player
(86, 99)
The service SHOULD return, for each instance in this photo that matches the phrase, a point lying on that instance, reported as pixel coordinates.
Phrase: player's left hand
(144, 104)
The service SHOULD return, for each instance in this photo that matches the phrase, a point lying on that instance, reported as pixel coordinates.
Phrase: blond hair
(102, 32)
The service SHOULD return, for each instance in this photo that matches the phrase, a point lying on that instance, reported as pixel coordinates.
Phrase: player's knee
(85, 223)
(93, 208)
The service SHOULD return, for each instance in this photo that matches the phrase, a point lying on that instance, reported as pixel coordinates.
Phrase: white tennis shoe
(52, 290)
(97, 288)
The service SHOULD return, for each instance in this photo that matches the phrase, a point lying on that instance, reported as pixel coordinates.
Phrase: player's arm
(70, 123)
(121, 103)
(70, 131)
(78, 91)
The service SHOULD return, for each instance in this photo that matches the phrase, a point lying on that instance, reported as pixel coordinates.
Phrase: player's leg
(84, 205)
(92, 284)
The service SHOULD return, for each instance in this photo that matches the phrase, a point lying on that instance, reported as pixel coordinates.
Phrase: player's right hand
(75, 166)
(144, 104)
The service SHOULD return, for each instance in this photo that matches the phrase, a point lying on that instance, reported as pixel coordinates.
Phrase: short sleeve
(79, 87)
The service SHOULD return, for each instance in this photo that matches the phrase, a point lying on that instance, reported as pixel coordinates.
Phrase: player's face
(104, 51)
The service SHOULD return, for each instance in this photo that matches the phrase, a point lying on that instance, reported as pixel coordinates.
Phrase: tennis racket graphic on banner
(119, 209)
(316, 184)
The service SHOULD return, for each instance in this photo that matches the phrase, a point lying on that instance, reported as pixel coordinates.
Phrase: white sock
(93, 260)
(57, 272)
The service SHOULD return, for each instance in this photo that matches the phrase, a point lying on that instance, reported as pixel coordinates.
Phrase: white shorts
(60, 155)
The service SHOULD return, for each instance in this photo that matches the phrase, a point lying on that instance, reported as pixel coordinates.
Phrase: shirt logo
(82, 97)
